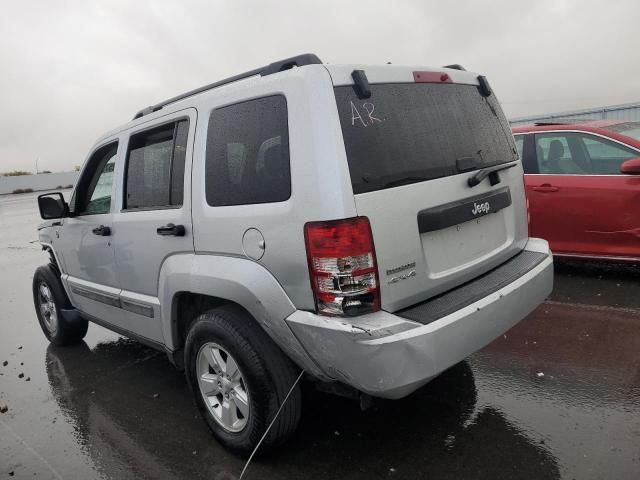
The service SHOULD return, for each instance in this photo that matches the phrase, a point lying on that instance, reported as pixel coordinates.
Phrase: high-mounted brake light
(431, 77)
(342, 266)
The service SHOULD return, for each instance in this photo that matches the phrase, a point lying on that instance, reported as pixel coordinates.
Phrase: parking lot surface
(558, 396)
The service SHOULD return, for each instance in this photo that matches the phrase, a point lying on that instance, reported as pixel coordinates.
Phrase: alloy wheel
(48, 308)
(223, 387)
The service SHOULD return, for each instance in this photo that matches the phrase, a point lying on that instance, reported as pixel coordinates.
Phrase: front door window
(576, 153)
(93, 195)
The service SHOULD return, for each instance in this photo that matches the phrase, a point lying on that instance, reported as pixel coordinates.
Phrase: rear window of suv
(408, 133)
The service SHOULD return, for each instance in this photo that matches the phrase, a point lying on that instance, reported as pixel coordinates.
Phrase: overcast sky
(70, 71)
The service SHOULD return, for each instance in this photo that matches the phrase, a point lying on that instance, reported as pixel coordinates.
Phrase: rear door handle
(171, 229)
(545, 188)
(102, 231)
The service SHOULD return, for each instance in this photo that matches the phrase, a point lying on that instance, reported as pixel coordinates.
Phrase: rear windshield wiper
(480, 175)
(404, 181)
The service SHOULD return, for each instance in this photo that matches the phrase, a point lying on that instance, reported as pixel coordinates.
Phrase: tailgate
(411, 149)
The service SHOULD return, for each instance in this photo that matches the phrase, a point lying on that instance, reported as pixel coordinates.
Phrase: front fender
(46, 236)
(238, 280)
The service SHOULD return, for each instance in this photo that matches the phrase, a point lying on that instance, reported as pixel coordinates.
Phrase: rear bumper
(389, 356)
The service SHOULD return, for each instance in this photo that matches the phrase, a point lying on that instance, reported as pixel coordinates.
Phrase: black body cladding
(454, 213)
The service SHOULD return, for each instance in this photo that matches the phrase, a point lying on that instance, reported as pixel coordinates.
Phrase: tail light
(342, 266)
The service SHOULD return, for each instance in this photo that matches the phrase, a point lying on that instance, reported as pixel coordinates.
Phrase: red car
(583, 186)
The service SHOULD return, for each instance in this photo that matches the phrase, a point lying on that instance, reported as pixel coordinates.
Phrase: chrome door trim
(584, 175)
(137, 307)
(122, 299)
(585, 256)
(106, 298)
(580, 131)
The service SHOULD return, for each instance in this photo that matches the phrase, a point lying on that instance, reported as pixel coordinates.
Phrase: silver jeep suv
(364, 224)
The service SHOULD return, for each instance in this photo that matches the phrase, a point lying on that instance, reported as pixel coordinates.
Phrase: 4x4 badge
(404, 276)
(407, 266)
(399, 269)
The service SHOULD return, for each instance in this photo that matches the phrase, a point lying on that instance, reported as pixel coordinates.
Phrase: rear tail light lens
(342, 266)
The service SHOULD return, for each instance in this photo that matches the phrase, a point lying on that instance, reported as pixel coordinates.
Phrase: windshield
(407, 133)
(629, 129)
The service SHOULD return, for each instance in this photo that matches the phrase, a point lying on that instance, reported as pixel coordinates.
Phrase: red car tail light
(342, 266)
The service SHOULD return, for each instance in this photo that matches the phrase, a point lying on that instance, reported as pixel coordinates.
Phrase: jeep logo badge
(480, 208)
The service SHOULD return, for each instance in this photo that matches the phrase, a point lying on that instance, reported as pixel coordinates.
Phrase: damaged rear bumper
(386, 355)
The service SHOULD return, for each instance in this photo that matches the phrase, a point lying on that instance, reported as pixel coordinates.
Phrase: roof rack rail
(564, 121)
(455, 66)
(275, 67)
(543, 123)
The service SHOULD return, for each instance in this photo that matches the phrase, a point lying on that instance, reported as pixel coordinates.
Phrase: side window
(93, 195)
(606, 156)
(155, 167)
(519, 139)
(247, 160)
(560, 154)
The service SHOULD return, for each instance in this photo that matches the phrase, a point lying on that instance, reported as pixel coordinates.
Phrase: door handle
(545, 188)
(171, 229)
(102, 231)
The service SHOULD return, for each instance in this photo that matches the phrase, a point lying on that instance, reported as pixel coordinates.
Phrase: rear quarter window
(247, 158)
(629, 129)
(519, 139)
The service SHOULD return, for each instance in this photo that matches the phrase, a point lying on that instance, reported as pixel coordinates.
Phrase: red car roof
(591, 126)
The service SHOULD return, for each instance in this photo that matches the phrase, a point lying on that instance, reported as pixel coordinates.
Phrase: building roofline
(609, 108)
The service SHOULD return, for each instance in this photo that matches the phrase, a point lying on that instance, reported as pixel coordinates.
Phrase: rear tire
(49, 298)
(253, 391)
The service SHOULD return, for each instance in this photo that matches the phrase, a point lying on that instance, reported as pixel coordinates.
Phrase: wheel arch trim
(237, 280)
(49, 247)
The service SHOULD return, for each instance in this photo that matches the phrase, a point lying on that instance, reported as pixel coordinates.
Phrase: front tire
(239, 379)
(49, 299)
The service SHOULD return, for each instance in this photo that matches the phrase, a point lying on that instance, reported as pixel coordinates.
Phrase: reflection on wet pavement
(593, 283)
(557, 397)
(571, 375)
(438, 431)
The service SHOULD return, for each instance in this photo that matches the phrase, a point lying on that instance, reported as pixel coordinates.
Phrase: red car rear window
(629, 129)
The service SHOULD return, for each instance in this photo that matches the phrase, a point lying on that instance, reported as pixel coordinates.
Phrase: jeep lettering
(480, 208)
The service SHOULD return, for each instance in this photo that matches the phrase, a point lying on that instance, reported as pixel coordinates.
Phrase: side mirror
(631, 166)
(52, 205)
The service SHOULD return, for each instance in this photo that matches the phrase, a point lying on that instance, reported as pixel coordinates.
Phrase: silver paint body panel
(385, 357)
(143, 273)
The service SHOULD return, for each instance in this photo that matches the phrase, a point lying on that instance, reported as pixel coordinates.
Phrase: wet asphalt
(557, 397)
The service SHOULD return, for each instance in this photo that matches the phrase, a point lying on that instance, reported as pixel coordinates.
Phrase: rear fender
(237, 280)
